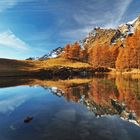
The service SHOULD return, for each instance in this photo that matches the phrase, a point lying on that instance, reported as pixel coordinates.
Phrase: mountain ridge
(114, 48)
(101, 36)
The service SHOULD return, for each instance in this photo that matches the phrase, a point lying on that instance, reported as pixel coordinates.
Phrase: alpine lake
(97, 108)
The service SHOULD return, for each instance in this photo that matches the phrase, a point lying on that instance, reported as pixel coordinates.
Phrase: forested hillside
(108, 48)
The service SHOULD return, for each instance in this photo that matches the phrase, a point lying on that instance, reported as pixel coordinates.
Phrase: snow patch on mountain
(133, 21)
(53, 54)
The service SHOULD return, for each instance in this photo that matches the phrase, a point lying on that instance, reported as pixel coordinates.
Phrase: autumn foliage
(75, 52)
(129, 57)
(121, 55)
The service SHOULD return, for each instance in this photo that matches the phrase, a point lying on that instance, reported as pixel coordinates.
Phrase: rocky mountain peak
(53, 54)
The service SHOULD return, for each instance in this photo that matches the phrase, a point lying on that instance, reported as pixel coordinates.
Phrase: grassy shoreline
(124, 72)
(55, 67)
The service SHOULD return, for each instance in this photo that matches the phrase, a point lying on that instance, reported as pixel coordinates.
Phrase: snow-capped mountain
(53, 54)
(130, 27)
(100, 36)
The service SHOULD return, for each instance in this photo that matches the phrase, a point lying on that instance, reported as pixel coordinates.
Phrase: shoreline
(124, 72)
(56, 68)
(55, 72)
(67, 72)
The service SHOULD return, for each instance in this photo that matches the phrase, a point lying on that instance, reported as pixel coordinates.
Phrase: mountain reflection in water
(106, 97)
(106, 108)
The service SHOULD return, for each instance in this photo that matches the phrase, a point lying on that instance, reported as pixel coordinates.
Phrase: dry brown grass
(33, 65)
(20, 67)
(55, 62)
(134, 72)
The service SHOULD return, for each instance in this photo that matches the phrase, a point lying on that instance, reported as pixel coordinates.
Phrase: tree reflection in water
(106, 96)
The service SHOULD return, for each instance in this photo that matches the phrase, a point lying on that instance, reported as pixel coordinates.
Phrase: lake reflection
(100, 108)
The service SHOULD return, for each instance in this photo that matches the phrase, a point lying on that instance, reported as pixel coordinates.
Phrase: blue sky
(34, 27)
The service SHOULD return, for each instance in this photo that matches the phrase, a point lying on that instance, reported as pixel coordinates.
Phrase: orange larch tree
(67, 51)
(75, 51)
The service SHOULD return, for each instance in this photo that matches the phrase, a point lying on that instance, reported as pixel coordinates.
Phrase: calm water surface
(102, 109)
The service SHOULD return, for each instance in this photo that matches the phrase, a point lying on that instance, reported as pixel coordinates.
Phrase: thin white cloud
(97, 14)
(76, 34)
(116, 16)
(87, 19)
(5, 4)
(9, 39)
(123, 7)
